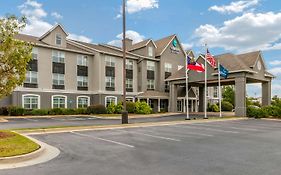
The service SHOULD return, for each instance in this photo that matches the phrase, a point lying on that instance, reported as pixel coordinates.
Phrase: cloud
(234, 7)
(133, 35)
(36, 24)
(56, 15)
(134, 6)
(248, 32)
(275, 63)
(79, 38)
(187, 46)
(275, 71)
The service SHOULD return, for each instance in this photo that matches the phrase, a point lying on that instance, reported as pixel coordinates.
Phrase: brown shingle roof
(162, 43)
(249, 58)
(155, 94)
(139, 45)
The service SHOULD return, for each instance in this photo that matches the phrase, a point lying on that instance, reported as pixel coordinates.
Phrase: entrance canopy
(243, 68)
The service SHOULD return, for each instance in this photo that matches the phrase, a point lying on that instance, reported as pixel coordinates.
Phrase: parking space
(213, 148)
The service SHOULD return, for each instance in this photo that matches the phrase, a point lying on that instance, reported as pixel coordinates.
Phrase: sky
(227, 26)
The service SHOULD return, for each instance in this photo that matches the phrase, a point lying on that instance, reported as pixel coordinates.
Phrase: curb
(43, 154)
(139, 116)
(271, 119)
(107, 127)
(2, 120)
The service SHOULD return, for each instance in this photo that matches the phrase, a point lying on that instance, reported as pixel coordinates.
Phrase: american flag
(210, 59)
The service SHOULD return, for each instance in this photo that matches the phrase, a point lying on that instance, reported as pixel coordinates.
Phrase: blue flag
(223, 71)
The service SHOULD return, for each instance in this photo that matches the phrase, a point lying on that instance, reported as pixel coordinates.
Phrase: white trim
(174, 37)
(82, 96)
(53, 28)
(59, 96)
(24, 95)
(131, 98)
(105, 98)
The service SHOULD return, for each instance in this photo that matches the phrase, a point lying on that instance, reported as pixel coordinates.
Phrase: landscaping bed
(13, 144)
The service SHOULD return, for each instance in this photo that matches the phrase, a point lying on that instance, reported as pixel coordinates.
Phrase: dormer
(56, 36)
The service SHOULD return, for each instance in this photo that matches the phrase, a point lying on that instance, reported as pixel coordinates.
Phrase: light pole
(124, 112)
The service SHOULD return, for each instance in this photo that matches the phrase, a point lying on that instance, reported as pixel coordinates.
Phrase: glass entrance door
(179, 106)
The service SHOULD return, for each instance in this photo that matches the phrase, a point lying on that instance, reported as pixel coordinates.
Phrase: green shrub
(118, 108)
(96, 109)
(226, 106)
(16, 111)
(143, 108)
(110, 108)
(255, 112)
(40, 112)
(131, 107)
(273, 111)
(81, 111)
(213, 108)
(69, 111)
(4, 111)
(56, 111)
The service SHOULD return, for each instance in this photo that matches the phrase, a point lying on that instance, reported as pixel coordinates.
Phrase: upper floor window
(58, 39)
(151, 65)
(58, 56)
(82, 81)
(168, 67)
(150, 51)
(82, 60)
(110, 82)
(31, 77)
(34, 53)
(150, 84)
(58, 79)
(110, 61)
(129, 64)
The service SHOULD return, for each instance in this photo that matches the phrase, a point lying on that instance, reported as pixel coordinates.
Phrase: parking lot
(238, 147)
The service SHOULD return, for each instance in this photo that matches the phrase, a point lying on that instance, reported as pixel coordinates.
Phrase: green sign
(175, 43)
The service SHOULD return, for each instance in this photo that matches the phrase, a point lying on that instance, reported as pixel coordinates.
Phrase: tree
(229, 94)
(14, 54)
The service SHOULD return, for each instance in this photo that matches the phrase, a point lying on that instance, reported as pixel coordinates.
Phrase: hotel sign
(174, 48)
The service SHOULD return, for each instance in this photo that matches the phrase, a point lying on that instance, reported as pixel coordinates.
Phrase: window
(151, 65)
(58, 79)
(83, 101)
(110, 99)
(131, 99)
(58, 56)
(82, 60)
(215, 92)
(129, 83)
(82, 81)
(58, 39)
(150, 51)
(110, 81)
(110, 61)
(150, 84)
(59, 101)
(34, 53)
(31, 101)
(167, 86)
(168, 67)
(129, 64)
(31, 77)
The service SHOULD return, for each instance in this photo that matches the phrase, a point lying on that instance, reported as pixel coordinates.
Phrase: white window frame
(59, 58)
(36, 95)
(110, 61)
(168, 67)
(58, 35)
(81, 96)
(105, 100)
(65, 101)
(29, 74)
(150, 85)
(35, 52)
(150, 51)
(132, 83)
(129, 64)
(133, 99)
(59, 79)
(150, 65)
(82, 60)
(85, 81)
(112, 82)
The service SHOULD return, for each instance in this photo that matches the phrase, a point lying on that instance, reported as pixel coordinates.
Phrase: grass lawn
(13, 144)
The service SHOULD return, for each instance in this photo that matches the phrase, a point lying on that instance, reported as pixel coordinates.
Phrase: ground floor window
(109, 100)
(131, 99)
(83, 102)
(59, 102)
(151, 103)
(31, 101)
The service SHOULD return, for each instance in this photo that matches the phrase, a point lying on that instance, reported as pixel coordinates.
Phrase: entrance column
(201, 99)
(240, 97)
(266, 93)
(184, 105)
(173, 98)
(159, 100)
(192, 107)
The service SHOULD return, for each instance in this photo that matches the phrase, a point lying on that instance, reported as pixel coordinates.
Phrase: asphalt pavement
(241, 147)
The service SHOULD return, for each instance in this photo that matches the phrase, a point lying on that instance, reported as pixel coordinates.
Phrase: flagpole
(186, 89)
(219, 86)
(205, 105)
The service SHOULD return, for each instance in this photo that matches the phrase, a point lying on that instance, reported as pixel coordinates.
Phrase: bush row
(225, 106)
(132, 107)
(264, 112)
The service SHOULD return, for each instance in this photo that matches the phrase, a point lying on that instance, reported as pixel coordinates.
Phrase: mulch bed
(4, 135)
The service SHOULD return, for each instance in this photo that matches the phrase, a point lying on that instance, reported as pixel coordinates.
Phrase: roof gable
(52, 29)
(142, 44)
(163, 44)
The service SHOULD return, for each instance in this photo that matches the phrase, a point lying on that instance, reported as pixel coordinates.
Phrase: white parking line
(29, 119)
(208, 129)
(190, 133)
(256, 126)
(149, 135)
(223, 126)
(106, 140)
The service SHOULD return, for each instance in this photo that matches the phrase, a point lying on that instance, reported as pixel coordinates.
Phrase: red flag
(210, 59)
(194, 65)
